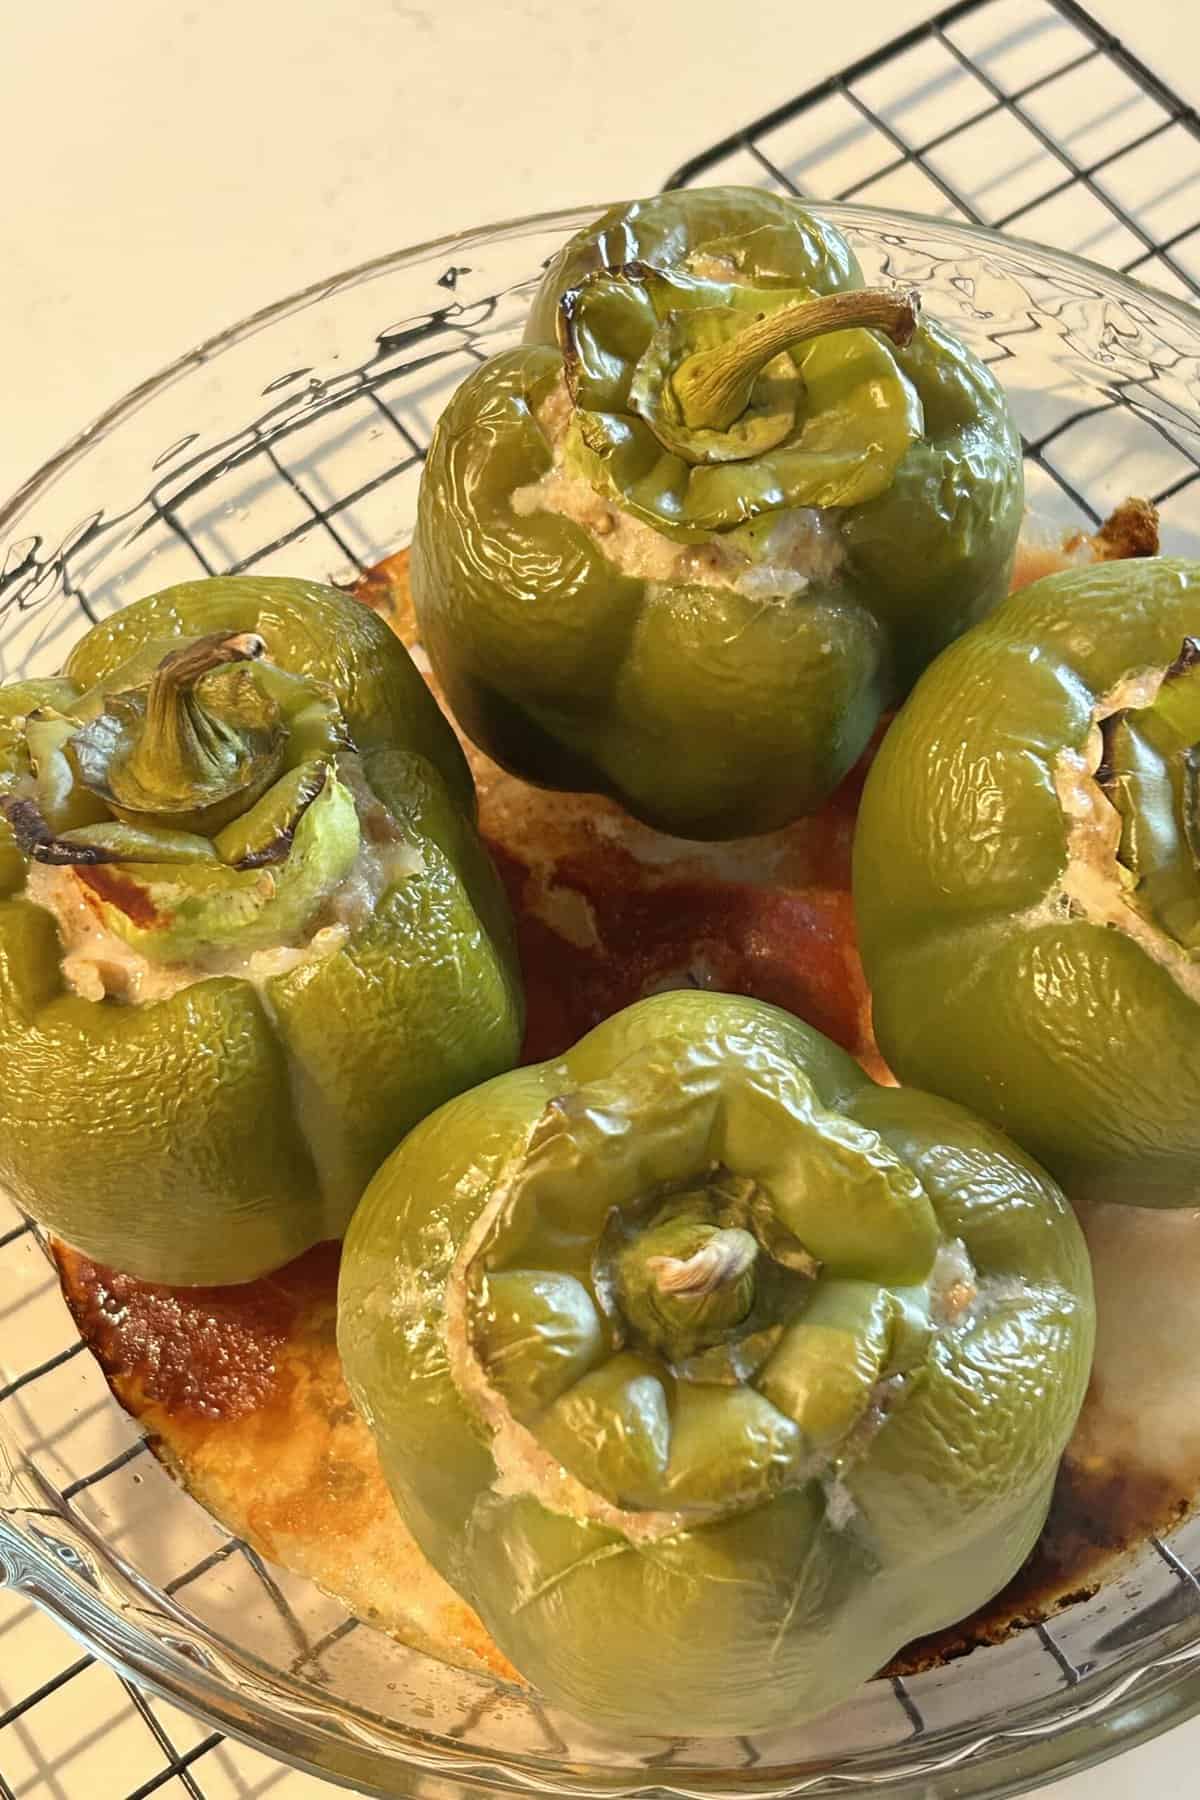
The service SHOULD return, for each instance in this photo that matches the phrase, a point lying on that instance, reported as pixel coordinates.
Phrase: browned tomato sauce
(203, 1353)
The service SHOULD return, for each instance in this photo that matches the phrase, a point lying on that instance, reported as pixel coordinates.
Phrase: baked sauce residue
(205, 1353)
(114, 889)
(241, 1389)
(794, 949)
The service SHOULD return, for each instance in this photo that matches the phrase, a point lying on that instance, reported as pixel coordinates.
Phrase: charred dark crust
(568, 309)
(1131, 530)
(565, 331)
(279, 848)
(277, 851)
(1105, 772)
(36, 840)
(1187, 659)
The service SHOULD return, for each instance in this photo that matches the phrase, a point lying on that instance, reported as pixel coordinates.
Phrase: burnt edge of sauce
(201, 1353)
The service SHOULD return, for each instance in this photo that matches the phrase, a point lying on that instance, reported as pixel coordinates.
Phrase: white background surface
(170, 167)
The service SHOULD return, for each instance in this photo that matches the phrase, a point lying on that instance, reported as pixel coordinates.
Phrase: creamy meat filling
(803, 545)
(1094, 884)
(98, 965)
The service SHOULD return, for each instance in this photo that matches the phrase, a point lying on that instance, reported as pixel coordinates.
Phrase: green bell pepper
(248, 935)
(1026, 880)
(709, 1371)
(688, 543)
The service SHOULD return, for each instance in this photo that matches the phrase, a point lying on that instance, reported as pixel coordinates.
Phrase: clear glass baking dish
(292, 444)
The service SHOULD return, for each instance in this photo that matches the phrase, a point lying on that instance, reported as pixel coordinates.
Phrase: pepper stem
(684, 1282)
(713, 387)
(171, 752)
(180, 741)
(723, 1260)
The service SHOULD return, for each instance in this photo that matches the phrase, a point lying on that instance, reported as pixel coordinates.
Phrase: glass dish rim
(563, 217)
(59, 1561)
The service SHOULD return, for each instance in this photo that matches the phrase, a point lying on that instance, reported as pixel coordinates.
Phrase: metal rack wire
(956, 118)
(965, 65)
(925, 122)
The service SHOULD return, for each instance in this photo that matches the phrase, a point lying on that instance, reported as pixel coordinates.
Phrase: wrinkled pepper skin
(709, 1371)
(211, 1135)
(1025, 879)
(766, 234)
(709, 711)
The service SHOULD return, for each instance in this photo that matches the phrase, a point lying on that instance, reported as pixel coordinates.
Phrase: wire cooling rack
(1026, 116)
(1020, 114)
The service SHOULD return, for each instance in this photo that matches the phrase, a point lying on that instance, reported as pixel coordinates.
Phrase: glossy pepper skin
(709, 710)
(1025, 879)
(707, 1370)
(202, 782)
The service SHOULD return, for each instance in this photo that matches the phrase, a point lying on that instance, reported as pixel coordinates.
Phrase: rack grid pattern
(1019, 114)
(1024, 116)
(1014, 114)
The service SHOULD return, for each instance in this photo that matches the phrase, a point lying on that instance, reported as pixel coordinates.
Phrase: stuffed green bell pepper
(1027, 882)
(688, 543)
(709, 1371)
(248, 935)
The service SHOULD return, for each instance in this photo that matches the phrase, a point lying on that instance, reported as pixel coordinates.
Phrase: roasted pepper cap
(708, 1371)
(687, 545)
(192, 748)
(271, 899)
(764, 237)
(761, 398)
(216, 840)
